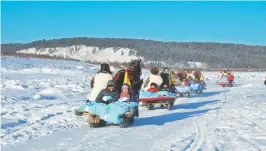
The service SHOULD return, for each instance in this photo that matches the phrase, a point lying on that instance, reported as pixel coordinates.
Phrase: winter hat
(166, 69)
(105, 67)
(154, 70)
(125, 85)
(110, 83)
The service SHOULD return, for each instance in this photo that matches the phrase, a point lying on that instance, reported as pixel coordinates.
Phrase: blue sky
(236, 22)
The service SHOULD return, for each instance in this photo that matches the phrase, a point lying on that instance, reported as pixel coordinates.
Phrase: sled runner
(162, 100)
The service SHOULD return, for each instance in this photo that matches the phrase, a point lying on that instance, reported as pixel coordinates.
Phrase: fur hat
(165, 69)
(154, 70)
(105, 67)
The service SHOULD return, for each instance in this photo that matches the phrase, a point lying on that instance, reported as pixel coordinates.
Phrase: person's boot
(76, 112)
(136, 113)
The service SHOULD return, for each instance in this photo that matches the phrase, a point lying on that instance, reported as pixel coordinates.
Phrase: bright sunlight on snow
(38, 97)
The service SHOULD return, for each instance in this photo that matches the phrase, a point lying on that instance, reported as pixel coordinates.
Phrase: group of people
(228, 75)
(167, 80)
(103, 86)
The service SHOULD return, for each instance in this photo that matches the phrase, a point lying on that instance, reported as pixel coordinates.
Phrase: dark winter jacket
(105, 92)
(265, 82)
(165, 76)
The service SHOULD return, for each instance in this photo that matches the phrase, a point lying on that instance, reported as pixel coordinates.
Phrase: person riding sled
(153, 88)
(224, 74)
(126, 95)
(109, 94)
(99, 82)
(165, 87)
(152, 78)
(199, 78)
(184, 83)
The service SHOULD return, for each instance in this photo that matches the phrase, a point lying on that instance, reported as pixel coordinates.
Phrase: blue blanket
(146, 94)
(182, 89)
(197, 87)
(111, 112)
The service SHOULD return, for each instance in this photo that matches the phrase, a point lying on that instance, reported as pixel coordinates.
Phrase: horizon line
(146, 39)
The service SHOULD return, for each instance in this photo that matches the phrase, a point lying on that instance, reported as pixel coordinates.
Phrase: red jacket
(153, 90)
(230, 77)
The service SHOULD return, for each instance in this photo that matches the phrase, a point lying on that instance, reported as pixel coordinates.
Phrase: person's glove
(107, 98)
(124, 99)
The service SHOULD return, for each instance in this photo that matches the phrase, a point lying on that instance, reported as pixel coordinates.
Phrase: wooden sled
(224, 84)
(151, 102)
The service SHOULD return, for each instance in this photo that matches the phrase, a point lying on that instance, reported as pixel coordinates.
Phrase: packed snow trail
(38, 97)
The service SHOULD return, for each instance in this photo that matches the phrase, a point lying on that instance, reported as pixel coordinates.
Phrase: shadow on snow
(207, 94)
(171, 117)
(193, 105)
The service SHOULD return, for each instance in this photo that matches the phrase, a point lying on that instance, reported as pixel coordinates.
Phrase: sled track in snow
(31, 130)
(199, 138)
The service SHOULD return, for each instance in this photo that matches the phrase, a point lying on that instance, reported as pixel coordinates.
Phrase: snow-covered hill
(38, 97)
(96, 54)
(86, 53)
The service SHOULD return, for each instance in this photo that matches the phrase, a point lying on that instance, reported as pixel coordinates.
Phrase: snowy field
(38, 97)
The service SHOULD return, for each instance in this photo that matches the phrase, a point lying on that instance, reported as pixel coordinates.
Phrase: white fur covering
(100, 83)
(153, 79)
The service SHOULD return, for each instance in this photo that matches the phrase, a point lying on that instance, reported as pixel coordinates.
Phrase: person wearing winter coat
(230, 78)
(224, 74)
(152, 78)
(173, 81)
(109, 91)
(153, 88)
(165, 76)
(126, 93)
(100, 80)
(190, 76)
(184, 83)
(165, 87)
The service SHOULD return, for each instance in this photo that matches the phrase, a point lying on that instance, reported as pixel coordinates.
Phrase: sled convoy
(115, 98)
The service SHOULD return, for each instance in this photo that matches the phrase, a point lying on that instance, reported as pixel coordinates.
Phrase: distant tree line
(216, 55)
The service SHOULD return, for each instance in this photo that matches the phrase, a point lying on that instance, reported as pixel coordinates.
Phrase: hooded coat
(105, 92)
(152, 78)
(100, 80)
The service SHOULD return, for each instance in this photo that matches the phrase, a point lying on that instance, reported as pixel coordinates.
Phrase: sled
(225, 84)
(197, 88)
(182, 91)
(162, 100)
(95, 121)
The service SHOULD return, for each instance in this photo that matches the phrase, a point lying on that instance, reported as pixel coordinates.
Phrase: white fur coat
(152, 79)
(100, 83)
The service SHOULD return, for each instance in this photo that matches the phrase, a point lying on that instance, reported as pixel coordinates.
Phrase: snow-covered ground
(38, 97)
